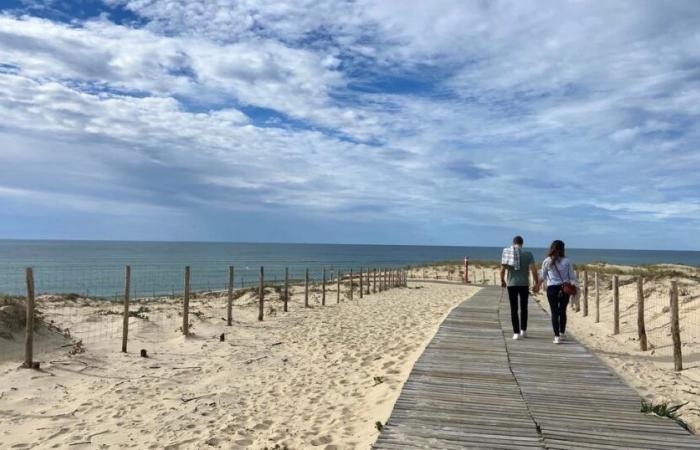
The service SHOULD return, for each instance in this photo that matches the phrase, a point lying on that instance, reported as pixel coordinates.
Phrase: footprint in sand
(265, 425)
(321, 440)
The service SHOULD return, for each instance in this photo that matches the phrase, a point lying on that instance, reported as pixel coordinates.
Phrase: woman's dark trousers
(558, 301)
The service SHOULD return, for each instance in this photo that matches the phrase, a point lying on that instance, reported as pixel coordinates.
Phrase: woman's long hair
(556, 250)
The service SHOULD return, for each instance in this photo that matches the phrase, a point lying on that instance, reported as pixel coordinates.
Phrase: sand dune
(314, 377)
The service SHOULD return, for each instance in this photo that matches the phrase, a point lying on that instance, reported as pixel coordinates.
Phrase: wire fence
(79, 307)
(660, 315)
(656, 311)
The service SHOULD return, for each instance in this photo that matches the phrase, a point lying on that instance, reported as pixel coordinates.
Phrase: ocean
(95, 268)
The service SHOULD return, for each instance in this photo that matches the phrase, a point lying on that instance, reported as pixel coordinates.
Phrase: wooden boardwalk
(474, 387)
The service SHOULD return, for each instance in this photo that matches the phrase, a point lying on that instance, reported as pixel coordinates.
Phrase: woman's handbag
(567, 287)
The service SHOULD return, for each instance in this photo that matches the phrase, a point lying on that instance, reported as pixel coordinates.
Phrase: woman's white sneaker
(523, 334)
(516, 336)
(557, 340)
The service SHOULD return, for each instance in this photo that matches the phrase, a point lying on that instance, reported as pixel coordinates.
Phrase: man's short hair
(518, 240)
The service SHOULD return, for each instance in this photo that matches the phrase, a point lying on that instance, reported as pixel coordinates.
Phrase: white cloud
(468, 113)
(83, 203)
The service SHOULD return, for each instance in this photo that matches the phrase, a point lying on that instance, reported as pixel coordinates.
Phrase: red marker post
(466, 269)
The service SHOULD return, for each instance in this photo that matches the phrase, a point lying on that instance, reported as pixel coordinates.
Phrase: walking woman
(560, 276)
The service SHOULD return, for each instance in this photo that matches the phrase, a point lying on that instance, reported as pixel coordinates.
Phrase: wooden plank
(125, 319)
(474, 388)
(229, 302)
(675, 328)
(29, 321)
(186, 304)
(261, 296)
(641, 327)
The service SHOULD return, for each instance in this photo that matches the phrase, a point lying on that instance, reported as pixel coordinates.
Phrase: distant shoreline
(370, 244)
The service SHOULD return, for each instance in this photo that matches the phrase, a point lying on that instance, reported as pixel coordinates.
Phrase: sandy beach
(319, 377)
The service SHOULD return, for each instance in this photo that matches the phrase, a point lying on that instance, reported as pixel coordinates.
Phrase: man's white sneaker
(523, 334)
(557, 340)
(516, 336)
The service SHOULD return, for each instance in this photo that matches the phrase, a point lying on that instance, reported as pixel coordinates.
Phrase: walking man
(517, 262)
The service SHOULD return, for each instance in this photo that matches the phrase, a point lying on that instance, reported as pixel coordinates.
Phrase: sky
(387, 122)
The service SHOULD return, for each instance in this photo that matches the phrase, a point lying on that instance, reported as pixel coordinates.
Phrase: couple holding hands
(557, 272)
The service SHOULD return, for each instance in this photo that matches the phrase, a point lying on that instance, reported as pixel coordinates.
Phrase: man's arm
(535, 276)
(503, 275)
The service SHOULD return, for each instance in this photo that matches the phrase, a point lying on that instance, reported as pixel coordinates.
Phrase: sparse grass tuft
(663, 410)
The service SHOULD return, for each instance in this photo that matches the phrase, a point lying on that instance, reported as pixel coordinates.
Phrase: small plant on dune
(241, 292)
(190, 326)
(198, 314)
(140, 313)
(378, 425)
(378, 380)
(77, 348)
(664, 410)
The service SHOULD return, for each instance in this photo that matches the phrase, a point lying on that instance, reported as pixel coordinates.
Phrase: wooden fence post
(186, 304)
(127, 297)
(367, 287)
(597, 298)
(229, 304)
(616, 305)
(286, 287)
(338, 293)
(29, 326)
(585, 293)
(323, 288)
(261, 302)
(352, 283)
(362, 293)
(306, 288)
(641, 328)
(675, 328)
(577, 297)
(374, 285)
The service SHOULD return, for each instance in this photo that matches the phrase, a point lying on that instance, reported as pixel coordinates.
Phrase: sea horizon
(96, 267)
(272, 242)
